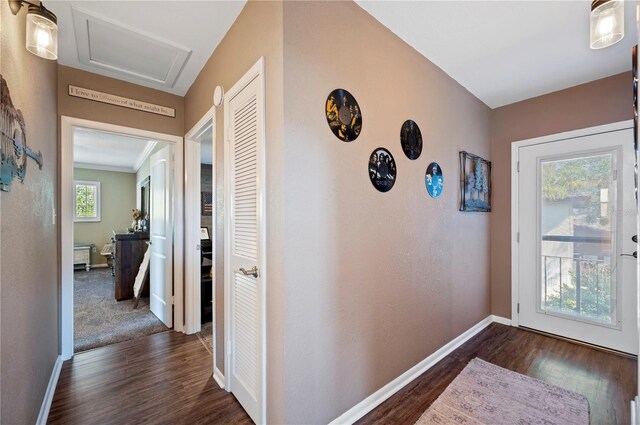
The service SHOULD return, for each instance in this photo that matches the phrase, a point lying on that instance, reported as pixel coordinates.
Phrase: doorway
(168, 148)
(574, 225)
(202, 265)
(200, 230)
(111, 228)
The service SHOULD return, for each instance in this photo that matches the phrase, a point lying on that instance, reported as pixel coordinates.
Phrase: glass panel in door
(577, 243)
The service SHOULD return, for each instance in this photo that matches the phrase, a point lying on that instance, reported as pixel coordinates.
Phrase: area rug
(101, 320)
(484, 393)
(206, 336)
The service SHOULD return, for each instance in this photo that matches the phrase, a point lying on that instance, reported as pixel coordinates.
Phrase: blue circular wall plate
(434, 180)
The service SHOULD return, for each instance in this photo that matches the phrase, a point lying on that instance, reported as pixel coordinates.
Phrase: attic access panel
(124, 51)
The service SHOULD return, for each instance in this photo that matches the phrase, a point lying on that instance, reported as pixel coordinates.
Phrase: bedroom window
(87, 199)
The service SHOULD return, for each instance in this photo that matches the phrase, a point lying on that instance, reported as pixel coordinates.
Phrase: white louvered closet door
(245, 124)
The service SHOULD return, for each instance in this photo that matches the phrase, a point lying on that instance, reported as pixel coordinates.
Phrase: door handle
(251, 272)
(634, 255)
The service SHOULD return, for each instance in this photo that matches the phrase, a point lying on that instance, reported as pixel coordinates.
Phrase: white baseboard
(375, 399)
(218, 376)
(51, 389)
(501, 320)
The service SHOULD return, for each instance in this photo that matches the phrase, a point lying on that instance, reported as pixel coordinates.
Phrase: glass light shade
(607, 23)
(42, 33)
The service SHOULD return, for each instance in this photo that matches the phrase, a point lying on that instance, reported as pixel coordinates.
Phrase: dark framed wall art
(475, 183)
(206, 203)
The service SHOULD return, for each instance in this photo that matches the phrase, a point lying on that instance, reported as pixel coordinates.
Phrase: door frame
(256, 71)
(515, 146)
(192, 191)
(67, 124)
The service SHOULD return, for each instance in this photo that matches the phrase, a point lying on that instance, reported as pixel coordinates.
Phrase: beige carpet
(486, 394)
(100, 320)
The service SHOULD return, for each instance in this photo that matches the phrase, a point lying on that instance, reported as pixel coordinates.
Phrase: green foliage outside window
(579, 178)
(595, 292)
(582, 285)
(87, 200)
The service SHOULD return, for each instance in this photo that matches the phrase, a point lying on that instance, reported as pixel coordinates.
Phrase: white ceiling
(501, 51)
(507, 51)
(158, 44)
(101, 150)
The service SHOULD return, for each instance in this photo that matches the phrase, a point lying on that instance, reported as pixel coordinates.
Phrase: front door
(576, 220)
(161, 235)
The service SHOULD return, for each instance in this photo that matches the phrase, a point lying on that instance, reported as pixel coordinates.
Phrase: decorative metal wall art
(475, 183)
(382, 169)
(13, 146)
(434, 180)
(343, 115)
(411, 139)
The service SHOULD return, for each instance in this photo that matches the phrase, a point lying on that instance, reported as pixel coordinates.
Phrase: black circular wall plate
(343, 115)
(382, 169)
(411, 139)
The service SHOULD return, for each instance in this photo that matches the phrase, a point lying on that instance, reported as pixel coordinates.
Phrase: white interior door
(161, 222)
(244, 241)
(576, 220)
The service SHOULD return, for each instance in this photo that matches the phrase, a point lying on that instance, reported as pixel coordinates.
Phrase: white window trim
(98, 206)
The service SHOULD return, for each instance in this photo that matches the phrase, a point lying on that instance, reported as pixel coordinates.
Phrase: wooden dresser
(129, 250)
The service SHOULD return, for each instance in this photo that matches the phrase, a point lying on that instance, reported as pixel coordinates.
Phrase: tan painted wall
(257, 32)
(375, 282)
(599, 102)
(117, 199)
(28, 249)
(102, 112)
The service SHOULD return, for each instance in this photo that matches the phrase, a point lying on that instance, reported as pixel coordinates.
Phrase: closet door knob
(251, 272)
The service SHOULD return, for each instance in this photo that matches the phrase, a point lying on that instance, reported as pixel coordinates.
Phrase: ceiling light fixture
(606, 23)
(42, 29)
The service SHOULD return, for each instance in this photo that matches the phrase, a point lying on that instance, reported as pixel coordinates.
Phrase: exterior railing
(578, 285)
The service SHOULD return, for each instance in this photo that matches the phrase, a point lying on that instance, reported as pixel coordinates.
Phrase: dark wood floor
(161, 378)
(166, 378)
(607, 380)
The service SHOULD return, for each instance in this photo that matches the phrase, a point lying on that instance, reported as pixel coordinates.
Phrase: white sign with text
(121, 101)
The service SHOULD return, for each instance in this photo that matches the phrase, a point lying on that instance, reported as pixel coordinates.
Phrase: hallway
(165, 377)
(607, 380)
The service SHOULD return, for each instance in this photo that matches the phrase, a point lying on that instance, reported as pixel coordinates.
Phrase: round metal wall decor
(382, 169)
(411, 139)
(343, 115)
(434, 180)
